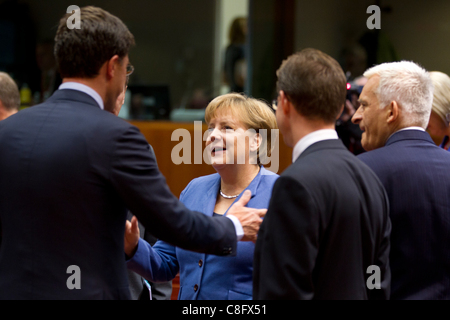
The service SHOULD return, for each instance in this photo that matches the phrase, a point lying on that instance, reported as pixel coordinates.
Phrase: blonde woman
(231, 118)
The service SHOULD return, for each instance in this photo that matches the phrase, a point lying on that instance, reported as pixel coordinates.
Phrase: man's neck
(92, 83)
(312, 138)
(304, 127)
(5, 113)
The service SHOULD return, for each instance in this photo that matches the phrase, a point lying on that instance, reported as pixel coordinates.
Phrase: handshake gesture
(249, 218)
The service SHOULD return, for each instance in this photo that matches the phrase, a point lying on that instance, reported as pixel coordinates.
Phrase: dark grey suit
(327, 222)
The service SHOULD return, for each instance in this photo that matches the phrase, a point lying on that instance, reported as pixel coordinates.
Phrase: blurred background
(188, 52)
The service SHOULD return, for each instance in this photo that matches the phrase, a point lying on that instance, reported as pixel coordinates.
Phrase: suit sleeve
(382, 259)
(287, 244)
(135, 176)
(157, 264)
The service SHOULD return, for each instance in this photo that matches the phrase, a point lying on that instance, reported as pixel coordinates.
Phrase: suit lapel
(209, 198)
(253, 187)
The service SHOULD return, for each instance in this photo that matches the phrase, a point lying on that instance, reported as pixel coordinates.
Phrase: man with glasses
(327, 224)
(69, 171)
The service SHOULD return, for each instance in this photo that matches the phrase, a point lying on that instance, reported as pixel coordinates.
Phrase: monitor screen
(149, 102)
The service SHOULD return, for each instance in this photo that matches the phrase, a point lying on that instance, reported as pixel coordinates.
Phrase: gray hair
(409, 85)
(9, 92)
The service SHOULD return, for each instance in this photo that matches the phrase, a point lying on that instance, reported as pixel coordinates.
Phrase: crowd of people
(333, 225)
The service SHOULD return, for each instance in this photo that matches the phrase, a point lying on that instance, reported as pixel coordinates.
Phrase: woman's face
(229, 141)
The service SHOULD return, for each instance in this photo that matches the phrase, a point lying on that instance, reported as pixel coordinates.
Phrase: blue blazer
(416, 175)
(204, 276)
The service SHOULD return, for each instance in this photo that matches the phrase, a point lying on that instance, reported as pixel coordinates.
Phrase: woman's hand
(131, 238)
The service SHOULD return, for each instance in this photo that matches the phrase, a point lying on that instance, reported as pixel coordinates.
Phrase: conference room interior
(180, 51)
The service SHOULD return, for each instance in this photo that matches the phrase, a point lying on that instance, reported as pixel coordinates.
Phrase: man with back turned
(327, 227)
(71, 171)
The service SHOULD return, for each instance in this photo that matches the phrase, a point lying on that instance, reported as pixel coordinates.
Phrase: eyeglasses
(126, 82)
(275, 104)
(130, 69)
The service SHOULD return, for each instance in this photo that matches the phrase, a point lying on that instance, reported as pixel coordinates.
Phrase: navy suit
(68, 173)
(416, 175)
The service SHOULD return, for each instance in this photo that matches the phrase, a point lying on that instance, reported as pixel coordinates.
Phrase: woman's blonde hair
(441, 96)
(253, 113)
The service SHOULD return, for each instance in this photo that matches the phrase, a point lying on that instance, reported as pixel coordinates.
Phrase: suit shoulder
(377, 153)
(205, 179)
(268, 176)
(311, 164)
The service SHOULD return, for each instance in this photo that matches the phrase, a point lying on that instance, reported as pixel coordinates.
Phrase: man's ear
(340, 112)
(112, 65)
(392, 112)
(284, 103)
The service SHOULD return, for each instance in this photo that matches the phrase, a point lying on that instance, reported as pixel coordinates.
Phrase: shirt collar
(83, 88)
(313, 137)
(407, 128)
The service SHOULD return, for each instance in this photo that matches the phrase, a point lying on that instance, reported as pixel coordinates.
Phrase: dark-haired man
(71, 171)
(326, 232)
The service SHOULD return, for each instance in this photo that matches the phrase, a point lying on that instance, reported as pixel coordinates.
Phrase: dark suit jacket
(68, 171)
(416, 176)
(327, 222)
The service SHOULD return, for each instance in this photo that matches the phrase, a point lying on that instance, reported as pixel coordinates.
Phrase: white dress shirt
(311, 138)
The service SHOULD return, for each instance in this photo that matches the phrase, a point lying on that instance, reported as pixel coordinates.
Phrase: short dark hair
(81, 52)
(314, 83)
(9, 92)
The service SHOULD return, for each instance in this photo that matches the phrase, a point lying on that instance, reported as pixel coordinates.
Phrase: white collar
(311, 138)
(407, 128)
(83, 88)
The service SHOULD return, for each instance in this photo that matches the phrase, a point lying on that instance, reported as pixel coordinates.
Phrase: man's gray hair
(409, 85)
(9, 92)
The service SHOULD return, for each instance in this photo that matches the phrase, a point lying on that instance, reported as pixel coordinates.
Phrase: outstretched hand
(249, 218)
(131, 238)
